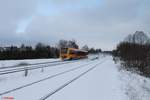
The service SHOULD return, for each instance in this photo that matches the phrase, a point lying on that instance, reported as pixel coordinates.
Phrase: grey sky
(97, 23)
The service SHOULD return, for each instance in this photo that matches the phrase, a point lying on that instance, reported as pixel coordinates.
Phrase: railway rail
(33, 66)
(69, 82)
(17, 66)
(49, 77)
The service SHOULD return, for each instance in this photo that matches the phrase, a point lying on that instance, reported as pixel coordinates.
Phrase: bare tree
(67, 44)
(63, 44)
(72, 44)
(85, 47)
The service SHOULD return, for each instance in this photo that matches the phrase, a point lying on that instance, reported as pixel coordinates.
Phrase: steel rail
(69, 82)
(50, 77)
(32, 68)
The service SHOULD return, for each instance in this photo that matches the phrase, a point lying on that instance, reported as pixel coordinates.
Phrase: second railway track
(33, 66)
(50, 77)
(69, 82)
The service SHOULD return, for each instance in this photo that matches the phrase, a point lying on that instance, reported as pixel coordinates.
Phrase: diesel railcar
(72, 53)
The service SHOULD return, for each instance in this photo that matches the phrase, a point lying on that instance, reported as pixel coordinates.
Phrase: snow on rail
(69, 82)
(50, 77)
(2, 72)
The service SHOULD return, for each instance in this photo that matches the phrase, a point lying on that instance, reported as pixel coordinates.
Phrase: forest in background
(40, 50)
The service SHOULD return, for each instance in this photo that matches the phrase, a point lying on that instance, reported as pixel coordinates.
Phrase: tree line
(134, 56)
(28, 52)
(40, 50)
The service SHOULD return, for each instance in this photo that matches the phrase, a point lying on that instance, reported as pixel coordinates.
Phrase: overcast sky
(97, 23)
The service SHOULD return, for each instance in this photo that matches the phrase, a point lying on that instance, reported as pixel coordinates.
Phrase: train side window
(71, 52)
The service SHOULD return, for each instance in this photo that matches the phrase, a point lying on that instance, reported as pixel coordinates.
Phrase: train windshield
(64, 50)
(72, 52)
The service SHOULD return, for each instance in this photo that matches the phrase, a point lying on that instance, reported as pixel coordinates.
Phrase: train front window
(64, 50)
(71, 52)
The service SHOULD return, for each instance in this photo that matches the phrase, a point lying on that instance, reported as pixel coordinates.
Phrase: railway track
(17, 66)
(9, 70)
(69, 82)
(47, 78)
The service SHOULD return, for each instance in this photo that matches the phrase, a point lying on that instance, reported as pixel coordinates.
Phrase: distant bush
(135, 56)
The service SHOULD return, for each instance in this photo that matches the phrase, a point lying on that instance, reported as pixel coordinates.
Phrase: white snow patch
(105, 82)
(6, 63)
(100, 84)
(136, 87)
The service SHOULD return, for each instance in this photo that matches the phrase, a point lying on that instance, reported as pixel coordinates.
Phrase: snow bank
(136, 87)
(5, 63)
(105, 82)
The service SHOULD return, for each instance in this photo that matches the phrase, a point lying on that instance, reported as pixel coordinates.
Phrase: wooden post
(26, 72)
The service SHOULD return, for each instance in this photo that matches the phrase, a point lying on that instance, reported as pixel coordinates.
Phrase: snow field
(105, 82)
(15, 83)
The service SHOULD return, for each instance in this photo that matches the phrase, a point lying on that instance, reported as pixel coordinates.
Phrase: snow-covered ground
(6, 63)
(136, 87)
(105, 82)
